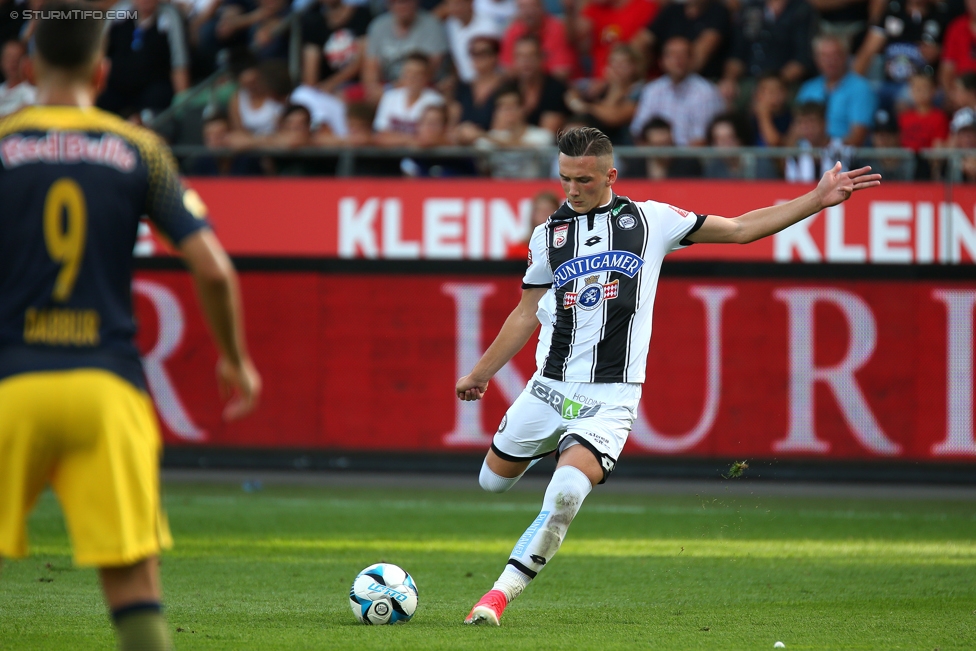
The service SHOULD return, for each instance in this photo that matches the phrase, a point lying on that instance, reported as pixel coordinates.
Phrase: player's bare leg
(576, 473)
(134, 595)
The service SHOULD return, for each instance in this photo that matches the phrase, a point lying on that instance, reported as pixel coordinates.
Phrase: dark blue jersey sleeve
(178, 212)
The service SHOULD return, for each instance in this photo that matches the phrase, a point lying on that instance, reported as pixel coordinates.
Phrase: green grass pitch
(271, 570)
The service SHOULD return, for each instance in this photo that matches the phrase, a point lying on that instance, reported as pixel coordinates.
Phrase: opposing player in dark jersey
(591, 280)
(74, 410)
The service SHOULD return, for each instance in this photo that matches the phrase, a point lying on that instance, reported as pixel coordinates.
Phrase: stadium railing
(949, 161)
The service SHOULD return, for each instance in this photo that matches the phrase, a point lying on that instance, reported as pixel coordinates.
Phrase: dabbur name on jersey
(75, 182)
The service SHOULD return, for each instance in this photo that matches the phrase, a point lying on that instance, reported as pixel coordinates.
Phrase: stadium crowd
(829, 76)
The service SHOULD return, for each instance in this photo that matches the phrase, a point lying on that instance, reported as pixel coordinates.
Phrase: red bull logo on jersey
(68, 147)
(591, 296)
(623, 262)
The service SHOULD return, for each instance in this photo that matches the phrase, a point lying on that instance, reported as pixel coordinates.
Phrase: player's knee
(565, 494)
(494, 483)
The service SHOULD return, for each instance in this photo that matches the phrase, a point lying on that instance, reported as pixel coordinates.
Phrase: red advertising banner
(751, 368)
(897, 223)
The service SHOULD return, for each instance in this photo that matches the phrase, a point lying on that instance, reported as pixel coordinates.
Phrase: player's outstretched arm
(518, 327)
(835, 187)
(217, 287)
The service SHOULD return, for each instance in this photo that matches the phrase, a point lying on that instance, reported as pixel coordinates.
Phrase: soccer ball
(383, 594)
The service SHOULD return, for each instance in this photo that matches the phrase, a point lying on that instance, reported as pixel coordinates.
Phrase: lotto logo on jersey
(567, 408)
(624, 262)
(559, 235)
(592, 296)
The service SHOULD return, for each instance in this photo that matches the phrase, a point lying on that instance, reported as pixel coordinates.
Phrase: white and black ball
(383, 594)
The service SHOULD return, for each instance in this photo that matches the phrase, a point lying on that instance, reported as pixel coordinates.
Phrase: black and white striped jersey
(602, 270)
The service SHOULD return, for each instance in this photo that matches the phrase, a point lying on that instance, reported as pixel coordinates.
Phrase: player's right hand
(240, 385)
(468, 388)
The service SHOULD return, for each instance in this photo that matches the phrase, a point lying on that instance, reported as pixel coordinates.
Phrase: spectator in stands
(686, 100)
(359, 124)
(260, 98)
(199, 17)
(769, 121)
(15, 92)
(393, 36)
(500, 12)
(327, 111)
(26, 33)
(850, 102)
(924, 125)
(531, 20)
(463, 28)
(269, 38)
(909, 39)
(726, 131)
(333, 46)
(771, 37)
(964, 137)
(886, 136)
(958, 47)
(432, 132)
(400, 108)
(543, 95)
(771, 116)
(295, 132)
(544, 203)
(474, 103)
(809, 132)
(150, 61)
(963, 93)
(11, 19)
(233, 23)
(845, 19)
(706, 24)
(599, 26)
(510, 130)
(216, 130)
(610, 102)
(657, 133)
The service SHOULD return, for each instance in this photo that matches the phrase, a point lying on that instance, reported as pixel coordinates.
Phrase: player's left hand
(836, 186)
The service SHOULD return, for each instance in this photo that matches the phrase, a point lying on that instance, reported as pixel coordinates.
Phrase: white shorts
(550, 416)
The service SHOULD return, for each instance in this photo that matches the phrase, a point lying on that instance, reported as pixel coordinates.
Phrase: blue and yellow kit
(74, 412)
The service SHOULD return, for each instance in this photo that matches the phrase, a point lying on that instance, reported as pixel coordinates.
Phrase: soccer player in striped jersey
(74, 409)
(592, 275)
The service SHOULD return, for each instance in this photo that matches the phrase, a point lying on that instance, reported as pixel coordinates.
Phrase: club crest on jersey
(626, 222)
(623, 262)
(592, 295)
(559, 235)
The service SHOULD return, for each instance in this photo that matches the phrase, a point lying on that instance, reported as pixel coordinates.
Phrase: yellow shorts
(94, 438)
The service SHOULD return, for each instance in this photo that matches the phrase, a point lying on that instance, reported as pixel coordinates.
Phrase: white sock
(540, 542)
(511, 582)
(495, 483)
